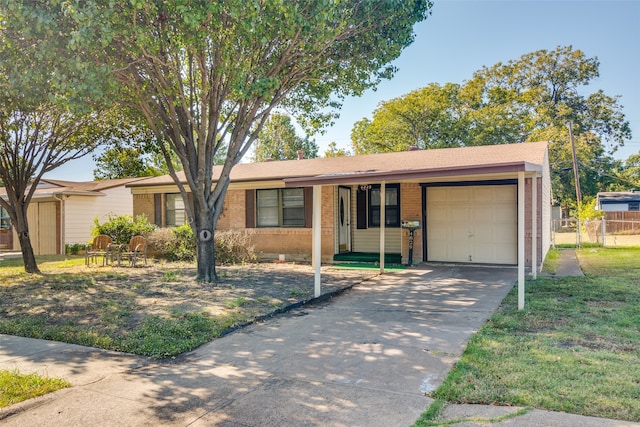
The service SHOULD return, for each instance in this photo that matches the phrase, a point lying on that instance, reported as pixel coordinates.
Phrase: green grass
(551, 261)
(574, 348)
(16, 387)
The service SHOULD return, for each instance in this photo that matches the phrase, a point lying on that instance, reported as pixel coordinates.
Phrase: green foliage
(532, 98)
(426, 118)
(73, 248)
(588, 210)
(207, 75)
(174, 244)
(122, 162)
(52, 109)
(136, 153)
(278, 140)
(333, 150)
(122, 228)
(17, 387)
(627, 174)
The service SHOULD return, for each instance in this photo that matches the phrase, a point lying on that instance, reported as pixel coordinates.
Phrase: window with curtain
(174, 210)
(392, 205)
(281, 207)
(4, 219)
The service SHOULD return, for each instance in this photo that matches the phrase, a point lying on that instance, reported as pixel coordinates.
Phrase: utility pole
(576, 178)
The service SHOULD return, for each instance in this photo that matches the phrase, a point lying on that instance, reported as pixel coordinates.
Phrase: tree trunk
(28, 256)
(204, 230)
(206, 260)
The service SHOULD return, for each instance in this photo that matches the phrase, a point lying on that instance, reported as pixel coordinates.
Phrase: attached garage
(472, 223)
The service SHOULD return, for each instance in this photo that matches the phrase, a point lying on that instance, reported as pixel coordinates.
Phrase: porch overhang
(519, 170)
(376, 176)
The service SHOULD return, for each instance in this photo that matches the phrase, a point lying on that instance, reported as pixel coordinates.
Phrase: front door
(344, 219)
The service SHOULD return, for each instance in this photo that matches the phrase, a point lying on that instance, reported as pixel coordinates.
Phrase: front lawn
(574, 348)
(16, 387)
(159, 310)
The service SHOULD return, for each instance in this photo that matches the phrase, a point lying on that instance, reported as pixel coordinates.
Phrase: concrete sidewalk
(568, 264)
(365, 358)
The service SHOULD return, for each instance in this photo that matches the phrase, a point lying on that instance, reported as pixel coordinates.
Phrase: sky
(462, 36)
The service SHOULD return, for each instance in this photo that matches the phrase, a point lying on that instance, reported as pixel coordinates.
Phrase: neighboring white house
(63, 212)
(618, 201)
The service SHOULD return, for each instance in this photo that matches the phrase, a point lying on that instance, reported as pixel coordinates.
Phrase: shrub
(179, 244)
(174, 244)
(234, 247)
(73, 248)
(123, 228)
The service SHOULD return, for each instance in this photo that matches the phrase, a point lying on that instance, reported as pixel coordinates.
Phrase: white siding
(368, 240)
(80, 212)
(615, 207)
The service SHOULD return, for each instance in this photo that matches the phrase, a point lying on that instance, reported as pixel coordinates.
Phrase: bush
(174, 244)
(123, 228)
(73, 249)
(179, 244)
(234, 247)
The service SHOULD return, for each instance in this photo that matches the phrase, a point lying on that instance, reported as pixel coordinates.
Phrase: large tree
(424, 118)
(278, 140)
(532, 98)
(124, 161)
(46, 117)
(207, 74)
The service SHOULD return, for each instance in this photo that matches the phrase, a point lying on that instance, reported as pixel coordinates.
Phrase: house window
(392, 206)
(4, 219)
(282, 207)
(634, 206)
(174, 210)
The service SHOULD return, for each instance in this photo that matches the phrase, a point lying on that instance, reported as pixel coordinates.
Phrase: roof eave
(399, 175)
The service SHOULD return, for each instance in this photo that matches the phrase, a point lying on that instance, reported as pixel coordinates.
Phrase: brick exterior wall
(270, 243)
(143, 205)
(295, 243)
(411, 208)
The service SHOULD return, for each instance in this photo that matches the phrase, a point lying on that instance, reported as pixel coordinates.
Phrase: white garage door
(477, 224)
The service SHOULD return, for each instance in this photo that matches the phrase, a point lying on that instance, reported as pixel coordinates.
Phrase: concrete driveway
(365, 358)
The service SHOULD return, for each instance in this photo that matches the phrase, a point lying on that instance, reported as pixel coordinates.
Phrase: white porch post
(520, 240)
(383, 209)
(534, 226)
(316, 250)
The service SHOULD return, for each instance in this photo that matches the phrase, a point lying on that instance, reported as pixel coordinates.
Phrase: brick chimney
(300, 154)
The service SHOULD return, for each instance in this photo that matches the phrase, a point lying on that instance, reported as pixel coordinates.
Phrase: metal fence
(604, 232)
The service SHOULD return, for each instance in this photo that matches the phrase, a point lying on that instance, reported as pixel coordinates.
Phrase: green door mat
(366, 266)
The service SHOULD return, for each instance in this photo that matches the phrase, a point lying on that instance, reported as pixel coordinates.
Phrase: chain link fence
(604, 232)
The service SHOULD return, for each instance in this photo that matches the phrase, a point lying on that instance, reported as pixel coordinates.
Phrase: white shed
(63, 212)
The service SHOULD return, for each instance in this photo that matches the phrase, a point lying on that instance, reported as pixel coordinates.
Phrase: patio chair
(102, 246)
(136, 249)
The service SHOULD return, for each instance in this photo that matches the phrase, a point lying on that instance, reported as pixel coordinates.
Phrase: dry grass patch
(159, 310)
